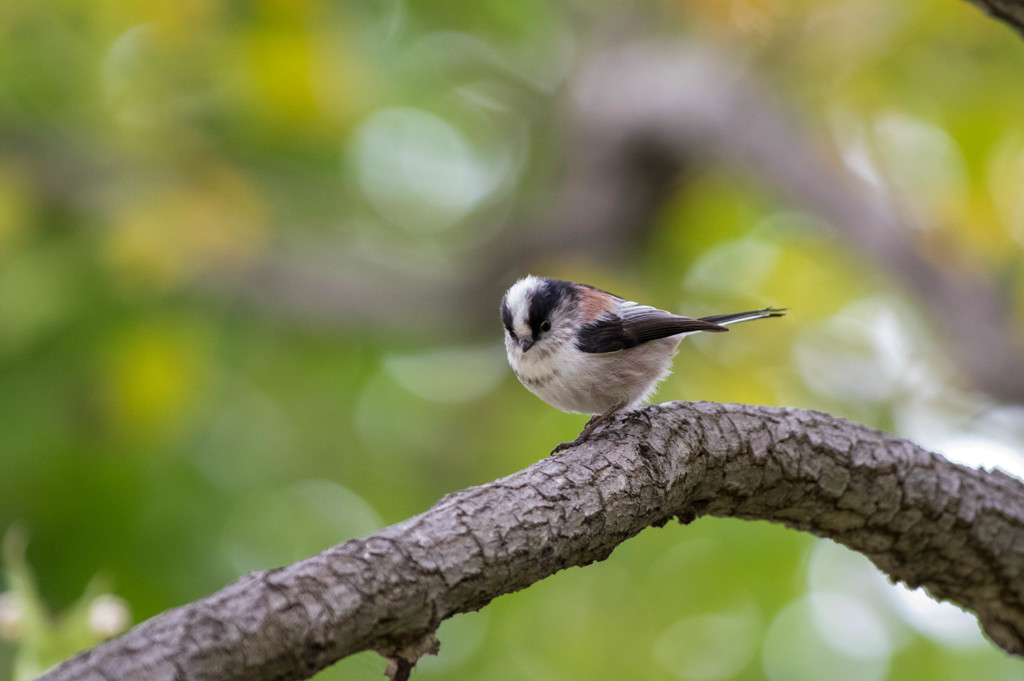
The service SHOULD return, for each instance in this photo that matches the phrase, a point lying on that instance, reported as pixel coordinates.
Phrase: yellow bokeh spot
(153, 374)
(283, 64)
(167, 236)
(814, 278)
(1004, 201)
(305, 81)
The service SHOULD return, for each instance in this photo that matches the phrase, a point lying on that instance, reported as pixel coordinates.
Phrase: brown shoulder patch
(592, 303)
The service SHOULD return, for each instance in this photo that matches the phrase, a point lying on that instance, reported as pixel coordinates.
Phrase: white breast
(591, 383)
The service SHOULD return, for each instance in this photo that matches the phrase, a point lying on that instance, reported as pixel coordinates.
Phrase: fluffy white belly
(592, 383)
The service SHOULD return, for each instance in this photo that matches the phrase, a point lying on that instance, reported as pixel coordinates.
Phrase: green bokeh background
(172, 416)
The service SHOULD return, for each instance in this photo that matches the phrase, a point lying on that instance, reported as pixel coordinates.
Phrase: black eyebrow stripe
(545, 299)
(506, 315)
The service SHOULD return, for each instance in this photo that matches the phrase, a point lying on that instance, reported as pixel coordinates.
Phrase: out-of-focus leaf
(44, 639)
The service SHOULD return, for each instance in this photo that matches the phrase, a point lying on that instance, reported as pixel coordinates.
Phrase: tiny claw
(595, 421)
(566, 445)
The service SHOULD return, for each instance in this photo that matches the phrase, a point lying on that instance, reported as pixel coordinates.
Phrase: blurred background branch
(701, 103)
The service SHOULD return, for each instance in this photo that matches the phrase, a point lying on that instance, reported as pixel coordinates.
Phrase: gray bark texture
(925, 521)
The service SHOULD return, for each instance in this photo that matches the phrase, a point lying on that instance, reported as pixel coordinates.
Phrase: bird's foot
(593, 424)
(583, 437)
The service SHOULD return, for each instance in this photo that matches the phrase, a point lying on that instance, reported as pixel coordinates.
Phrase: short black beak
(525, 343)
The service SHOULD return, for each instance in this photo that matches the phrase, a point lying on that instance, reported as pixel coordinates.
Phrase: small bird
(584, 350)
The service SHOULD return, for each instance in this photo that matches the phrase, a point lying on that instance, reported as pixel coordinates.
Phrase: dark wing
(636, 324)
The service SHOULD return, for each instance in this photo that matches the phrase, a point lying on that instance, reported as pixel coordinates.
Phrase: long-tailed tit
(584, 350)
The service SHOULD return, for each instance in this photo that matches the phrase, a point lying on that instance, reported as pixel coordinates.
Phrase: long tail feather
(738, 317)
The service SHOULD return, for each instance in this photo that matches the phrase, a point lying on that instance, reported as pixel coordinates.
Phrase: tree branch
(925, 521)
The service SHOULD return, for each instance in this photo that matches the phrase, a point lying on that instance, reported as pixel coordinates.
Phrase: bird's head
(539, 314)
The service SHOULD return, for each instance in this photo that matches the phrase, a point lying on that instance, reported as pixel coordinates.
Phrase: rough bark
(925, 521)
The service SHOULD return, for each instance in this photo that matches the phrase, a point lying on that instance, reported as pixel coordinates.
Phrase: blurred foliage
(164, 431)
(44, 640)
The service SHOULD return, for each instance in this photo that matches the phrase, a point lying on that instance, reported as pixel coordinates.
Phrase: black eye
(545, 325)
